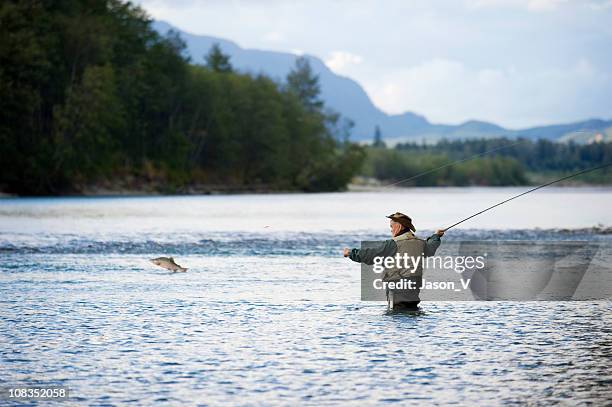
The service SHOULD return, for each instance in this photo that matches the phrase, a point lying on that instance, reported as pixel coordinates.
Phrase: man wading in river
(402, 243)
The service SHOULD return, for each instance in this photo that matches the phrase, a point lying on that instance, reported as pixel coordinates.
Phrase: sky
(517, 63)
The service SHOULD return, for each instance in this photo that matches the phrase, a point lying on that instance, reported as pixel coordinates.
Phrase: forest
(91, 95)
(494, 161)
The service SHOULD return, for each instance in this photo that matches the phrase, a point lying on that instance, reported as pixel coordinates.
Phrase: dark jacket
(388, 248)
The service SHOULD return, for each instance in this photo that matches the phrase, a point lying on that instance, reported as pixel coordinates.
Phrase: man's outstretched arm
(432, 243)
(387, 248)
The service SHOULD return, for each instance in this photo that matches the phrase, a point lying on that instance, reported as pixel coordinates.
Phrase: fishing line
(453, 163)
(531, 190)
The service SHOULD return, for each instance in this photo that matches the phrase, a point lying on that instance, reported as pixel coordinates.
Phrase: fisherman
(403, 242)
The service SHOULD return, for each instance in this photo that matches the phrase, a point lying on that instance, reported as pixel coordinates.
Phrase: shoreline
(200, 190)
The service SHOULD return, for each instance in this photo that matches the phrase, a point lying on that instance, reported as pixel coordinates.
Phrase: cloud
(544, 5)
(273, 36)
(338, 61)
(600, 4)
(537, 5)
(450, 91)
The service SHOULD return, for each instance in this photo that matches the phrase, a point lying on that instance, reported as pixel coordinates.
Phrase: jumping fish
(168, 263)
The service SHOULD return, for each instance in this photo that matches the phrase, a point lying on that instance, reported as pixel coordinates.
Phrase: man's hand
(346, 252)
(440, 232)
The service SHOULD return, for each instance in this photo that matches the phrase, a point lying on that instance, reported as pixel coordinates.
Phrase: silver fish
(168, 263)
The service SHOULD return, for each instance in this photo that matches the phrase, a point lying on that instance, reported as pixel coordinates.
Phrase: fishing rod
(453, 163)
(531, 190)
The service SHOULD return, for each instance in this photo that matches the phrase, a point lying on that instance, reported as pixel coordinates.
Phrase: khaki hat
(402, 219)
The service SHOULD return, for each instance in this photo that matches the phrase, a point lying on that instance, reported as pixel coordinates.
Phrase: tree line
(391, 165)
(90, 92)
(533, 155)
(496, 161)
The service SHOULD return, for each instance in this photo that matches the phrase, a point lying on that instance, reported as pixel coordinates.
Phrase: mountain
(347, 97)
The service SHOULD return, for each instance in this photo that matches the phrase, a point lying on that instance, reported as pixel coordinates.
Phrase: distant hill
(348, 98)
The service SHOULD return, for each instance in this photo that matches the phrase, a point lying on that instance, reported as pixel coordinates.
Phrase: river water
(270, 313)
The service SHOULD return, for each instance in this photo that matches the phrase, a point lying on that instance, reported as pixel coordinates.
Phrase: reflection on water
(273, 315)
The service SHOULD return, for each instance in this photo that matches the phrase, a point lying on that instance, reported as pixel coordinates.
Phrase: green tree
(217, 60)
(304, 83)
(378, 141)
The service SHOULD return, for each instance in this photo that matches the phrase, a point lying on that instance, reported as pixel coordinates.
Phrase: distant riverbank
(359, 184)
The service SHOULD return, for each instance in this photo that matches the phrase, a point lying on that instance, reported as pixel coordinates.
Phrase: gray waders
(406, 298)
